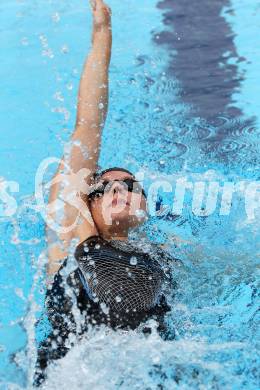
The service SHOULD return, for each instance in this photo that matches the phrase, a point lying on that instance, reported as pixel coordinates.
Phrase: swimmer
(116, 282)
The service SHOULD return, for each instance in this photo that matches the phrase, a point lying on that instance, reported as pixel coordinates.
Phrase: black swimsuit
(102, 281)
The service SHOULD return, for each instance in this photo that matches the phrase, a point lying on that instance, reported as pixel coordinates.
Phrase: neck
(113, 234)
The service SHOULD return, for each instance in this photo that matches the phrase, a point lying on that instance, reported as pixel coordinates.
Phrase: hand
(101, 14)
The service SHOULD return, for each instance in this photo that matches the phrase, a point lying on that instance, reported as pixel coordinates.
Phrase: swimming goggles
(130, 184)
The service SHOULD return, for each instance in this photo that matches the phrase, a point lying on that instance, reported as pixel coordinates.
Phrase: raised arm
(93, 90)
(85, 141)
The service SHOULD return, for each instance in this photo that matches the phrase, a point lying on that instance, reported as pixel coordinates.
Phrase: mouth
(116, 202)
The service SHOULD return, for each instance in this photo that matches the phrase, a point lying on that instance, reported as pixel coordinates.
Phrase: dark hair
(98, 174)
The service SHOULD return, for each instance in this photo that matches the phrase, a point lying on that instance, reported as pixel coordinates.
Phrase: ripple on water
(177, 150)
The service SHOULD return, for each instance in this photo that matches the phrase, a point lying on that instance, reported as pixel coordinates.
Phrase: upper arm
(72, 218)
(67, 219)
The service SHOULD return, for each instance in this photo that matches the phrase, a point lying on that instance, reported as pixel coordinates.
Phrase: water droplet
(156, 359)
(19, 293)
(118, 298)
(104, 308)
(64, 49)
(24, 41)
(169, 128)
(69, 86)
(162, 162)
(133, 260)
(55, 17)
(101, 105)
(140, 213)
(97, 246)
(47, 53)
(58, 96)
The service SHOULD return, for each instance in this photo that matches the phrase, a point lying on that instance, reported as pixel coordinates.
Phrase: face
(118, 209)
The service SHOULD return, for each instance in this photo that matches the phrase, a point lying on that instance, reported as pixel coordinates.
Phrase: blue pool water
(184, 103)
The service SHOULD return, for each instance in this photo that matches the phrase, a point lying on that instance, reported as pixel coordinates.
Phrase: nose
(118, 187)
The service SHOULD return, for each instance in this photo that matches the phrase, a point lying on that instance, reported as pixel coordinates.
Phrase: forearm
(93, 98)
(93, 88)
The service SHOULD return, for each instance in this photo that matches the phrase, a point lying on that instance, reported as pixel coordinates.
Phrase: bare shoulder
(59, 250)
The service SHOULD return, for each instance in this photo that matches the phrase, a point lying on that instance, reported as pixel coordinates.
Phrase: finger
(93, 4)
(99, 3)
(109, 9)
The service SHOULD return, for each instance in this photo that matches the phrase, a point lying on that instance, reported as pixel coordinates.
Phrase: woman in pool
(117, 282)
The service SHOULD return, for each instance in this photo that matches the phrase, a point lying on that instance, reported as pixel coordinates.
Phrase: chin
(121, 215)
(125, 219)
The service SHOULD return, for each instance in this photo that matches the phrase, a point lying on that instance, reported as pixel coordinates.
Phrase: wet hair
(97, 175)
